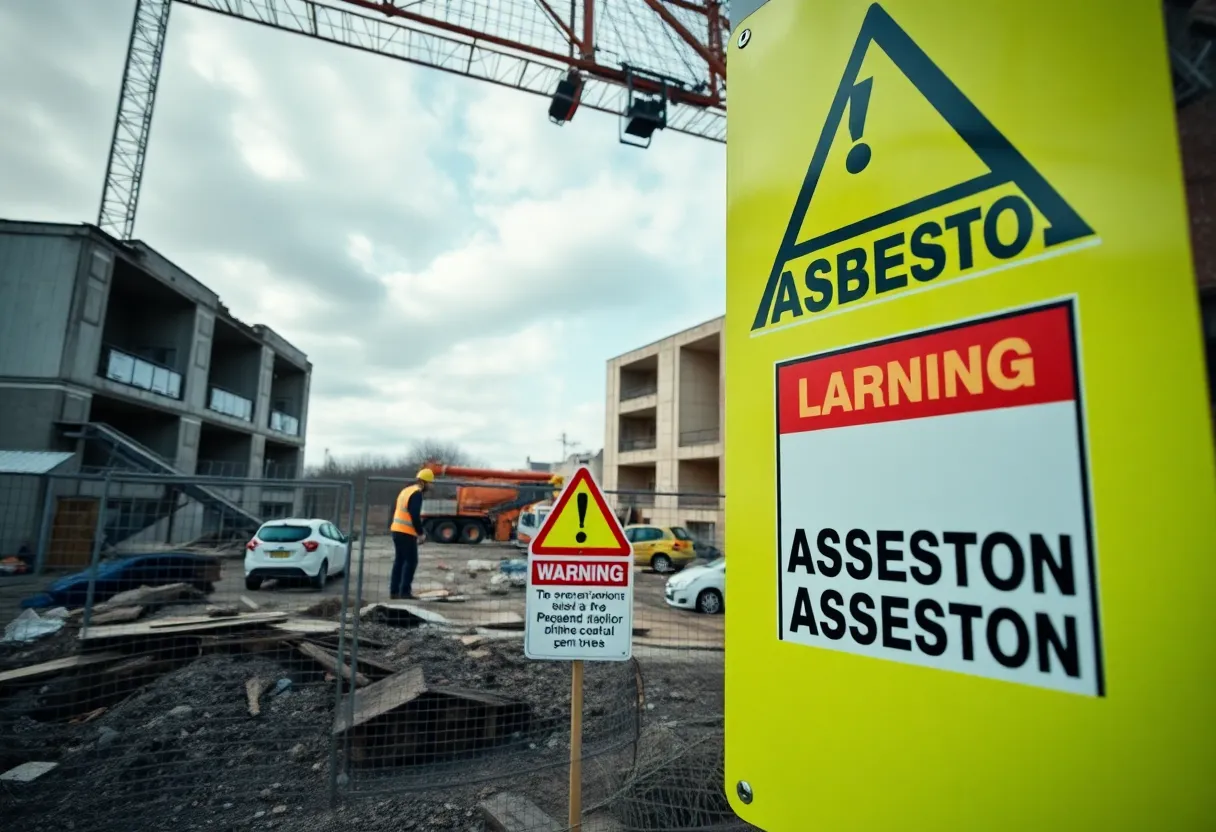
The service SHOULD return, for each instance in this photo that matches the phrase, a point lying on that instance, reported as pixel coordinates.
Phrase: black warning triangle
(1005, 164)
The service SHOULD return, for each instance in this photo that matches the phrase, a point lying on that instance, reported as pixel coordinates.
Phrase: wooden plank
(240, 640)
(35, 671)
(171, 627)
(329, 661)
(143, 596)
(254, 688)
(502, 621)
(308, 626)
(381, 697)
(508, 812)
(118, 615)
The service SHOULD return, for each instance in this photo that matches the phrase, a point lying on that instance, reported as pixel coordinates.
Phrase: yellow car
(662, 548)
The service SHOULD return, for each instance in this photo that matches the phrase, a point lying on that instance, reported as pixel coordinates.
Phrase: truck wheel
(472, 533)
(446, 532)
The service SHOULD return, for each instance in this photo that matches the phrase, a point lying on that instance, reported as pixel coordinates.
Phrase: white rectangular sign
(934, 506)
(579, 608)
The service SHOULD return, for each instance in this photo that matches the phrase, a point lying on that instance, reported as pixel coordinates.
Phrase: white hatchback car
(701, 587)
(294, 548)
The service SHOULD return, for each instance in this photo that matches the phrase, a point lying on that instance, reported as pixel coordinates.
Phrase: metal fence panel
(425, 708)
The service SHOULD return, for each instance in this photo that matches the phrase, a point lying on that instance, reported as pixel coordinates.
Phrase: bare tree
(404, 466)
(437, 450)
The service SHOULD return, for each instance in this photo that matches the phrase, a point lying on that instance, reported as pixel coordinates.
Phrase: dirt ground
(180, 751)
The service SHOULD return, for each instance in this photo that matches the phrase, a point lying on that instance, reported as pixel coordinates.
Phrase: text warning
(934, 504)
(579, 609)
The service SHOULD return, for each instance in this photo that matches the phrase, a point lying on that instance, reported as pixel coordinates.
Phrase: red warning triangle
(581, 523)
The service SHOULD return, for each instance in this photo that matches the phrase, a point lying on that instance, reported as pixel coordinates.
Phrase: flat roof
(32, 462)
(675, 334)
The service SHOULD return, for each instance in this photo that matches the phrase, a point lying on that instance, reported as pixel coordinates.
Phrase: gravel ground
(184, 750)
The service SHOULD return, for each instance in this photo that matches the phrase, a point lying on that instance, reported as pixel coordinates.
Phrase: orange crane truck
(486, 502)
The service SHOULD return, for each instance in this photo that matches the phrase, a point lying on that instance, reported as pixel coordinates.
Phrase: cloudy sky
(454, 265)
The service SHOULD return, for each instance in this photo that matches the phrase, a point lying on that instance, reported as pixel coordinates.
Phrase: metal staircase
(128, 454)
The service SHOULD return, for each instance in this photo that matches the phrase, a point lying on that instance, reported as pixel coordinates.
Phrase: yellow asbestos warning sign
(581, 523)
(973, 494)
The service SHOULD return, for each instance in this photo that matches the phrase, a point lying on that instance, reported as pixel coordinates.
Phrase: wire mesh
(516, 43)
(369, 709)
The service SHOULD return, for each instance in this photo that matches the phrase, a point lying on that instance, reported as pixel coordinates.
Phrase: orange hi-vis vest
(401, 515)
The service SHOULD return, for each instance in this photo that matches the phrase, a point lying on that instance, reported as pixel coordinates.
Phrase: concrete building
(113, 353)
(663, 432)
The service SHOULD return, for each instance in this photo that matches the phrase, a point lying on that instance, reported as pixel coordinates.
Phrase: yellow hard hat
(426, 475)
(556, 479)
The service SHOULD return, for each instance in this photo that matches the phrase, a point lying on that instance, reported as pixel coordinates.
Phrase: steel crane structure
(656, 64)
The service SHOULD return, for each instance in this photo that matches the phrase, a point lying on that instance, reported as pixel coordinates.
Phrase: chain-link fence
(171, 660)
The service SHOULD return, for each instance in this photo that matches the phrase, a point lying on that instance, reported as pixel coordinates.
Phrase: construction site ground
(445, 566)
(176, 739)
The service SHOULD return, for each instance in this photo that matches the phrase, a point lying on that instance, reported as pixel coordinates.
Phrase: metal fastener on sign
(745, 37)
(744, 788)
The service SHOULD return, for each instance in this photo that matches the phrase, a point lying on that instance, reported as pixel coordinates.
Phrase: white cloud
(454, 265)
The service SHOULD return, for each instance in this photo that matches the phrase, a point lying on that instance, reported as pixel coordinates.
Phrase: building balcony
(704, 436)
(637, 391)
(229, 404)
(284, 423)
(712, 502)
(644, 443)
(140, 373)
(634, 498)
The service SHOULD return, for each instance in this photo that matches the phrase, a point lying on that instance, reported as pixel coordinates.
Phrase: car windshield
(527, 519)
(714, 564)
(681, 533)
(283, 534)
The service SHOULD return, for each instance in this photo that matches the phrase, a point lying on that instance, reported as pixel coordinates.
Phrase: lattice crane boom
(654, 63)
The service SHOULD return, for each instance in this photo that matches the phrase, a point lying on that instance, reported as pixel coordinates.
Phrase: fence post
(354, 633)
(44, 526)
(99, 530)
(333, 738)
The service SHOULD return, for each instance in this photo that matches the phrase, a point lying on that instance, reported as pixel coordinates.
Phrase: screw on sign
(579, 598)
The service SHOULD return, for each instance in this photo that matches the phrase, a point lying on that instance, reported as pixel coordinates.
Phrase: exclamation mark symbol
(581, 537)
(859, 103)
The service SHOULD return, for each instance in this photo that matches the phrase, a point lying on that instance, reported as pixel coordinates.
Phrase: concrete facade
(663, 431)
(94, 330)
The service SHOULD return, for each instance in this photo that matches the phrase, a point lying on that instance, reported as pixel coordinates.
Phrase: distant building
(111, 353)
(567, 467)
(663, 431)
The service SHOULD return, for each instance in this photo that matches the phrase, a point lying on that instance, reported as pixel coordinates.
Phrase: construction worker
(407, 534)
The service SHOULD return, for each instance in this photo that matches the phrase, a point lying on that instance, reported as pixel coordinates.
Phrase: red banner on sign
(580, 573)
(1018, 359)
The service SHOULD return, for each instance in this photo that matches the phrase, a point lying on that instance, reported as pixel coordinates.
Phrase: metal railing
(133, 371)
(644, 443)
(281, 422)
(229, 403)
(638, 390)
(694, 500)
(703, 436)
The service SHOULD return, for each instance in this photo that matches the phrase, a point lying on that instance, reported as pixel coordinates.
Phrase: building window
(125, 368)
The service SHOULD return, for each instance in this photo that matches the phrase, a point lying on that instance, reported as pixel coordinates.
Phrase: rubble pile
(214, 718)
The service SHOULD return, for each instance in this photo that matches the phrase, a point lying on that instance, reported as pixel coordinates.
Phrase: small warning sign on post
(990, 571)
(581, 523)
(579, 609)
(580, 580)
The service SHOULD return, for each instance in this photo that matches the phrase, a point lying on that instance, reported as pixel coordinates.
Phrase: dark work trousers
(404, 565)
